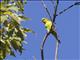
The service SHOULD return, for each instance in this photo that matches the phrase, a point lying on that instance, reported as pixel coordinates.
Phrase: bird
(50, 28)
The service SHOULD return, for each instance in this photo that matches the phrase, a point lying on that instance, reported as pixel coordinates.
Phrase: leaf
(15, 23)
(16, 44)
(13, 54)
(2, 45)
(12, 15)
(10, 33)
(20, 49)
(20, 5)
(19, 34)
(1, 31)
(14, 8)
(8, 43)
(6, 1)
(1, 54)
(24, 18)
(2, 41)
(3, 18)
(27, 30)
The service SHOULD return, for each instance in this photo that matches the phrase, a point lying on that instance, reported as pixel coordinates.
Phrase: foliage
(12, 34)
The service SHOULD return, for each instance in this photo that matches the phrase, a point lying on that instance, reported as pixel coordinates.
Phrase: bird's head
(44, 20)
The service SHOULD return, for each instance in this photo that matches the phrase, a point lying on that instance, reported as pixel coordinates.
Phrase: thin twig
(56, 51)
(76, 3)
(44, 5)
(54, 17)
(55, 11)
(42, 45)
(53, 20)
(47, 34)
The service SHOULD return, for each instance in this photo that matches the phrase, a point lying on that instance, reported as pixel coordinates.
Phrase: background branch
(54, 17)
(47, 34)
(42, 45)
(55, 11)
(44, 5)
(76, 3)
(53, 20)
(56, 51)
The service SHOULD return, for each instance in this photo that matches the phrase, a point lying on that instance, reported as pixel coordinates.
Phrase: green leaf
(16, 44)
(8, 43)
(20, 5)
(3, 18)
(1, 54)
(26, 30)
(2, 41)
(10, 33)
(13, 54)
(14, 8)
(20, 49)
(24, 18)
(19, 34)
(15, 23)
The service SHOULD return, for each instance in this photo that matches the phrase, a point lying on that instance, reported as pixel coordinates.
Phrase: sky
(67, 26)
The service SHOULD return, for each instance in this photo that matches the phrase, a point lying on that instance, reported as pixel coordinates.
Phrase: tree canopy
(12, 34)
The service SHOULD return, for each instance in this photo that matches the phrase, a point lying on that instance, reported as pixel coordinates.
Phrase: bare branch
(76, 3)
(44, 5)
(56, 50)
(53, 20)
(42, 45)
(55, 11)
(54, 17)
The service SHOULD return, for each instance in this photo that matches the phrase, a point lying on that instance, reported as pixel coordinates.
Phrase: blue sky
(67, 26)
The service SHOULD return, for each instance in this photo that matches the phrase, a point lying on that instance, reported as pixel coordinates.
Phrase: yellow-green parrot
(48, 25)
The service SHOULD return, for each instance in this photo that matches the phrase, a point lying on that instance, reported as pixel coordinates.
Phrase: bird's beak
(43, 22)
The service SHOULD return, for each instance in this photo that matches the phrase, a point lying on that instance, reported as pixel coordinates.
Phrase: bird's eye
(44, 22)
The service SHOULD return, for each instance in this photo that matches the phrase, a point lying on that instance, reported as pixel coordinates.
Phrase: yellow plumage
(48, 25)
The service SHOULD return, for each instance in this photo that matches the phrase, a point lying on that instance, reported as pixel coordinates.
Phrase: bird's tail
(56, 36)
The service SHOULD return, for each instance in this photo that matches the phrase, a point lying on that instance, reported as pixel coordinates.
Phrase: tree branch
(53, 20)
(76, 3)
(54, 17)
(42, 45)
(57, 44)
(47, 34)
(55, 11)
(44, 5)
(56, 50)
